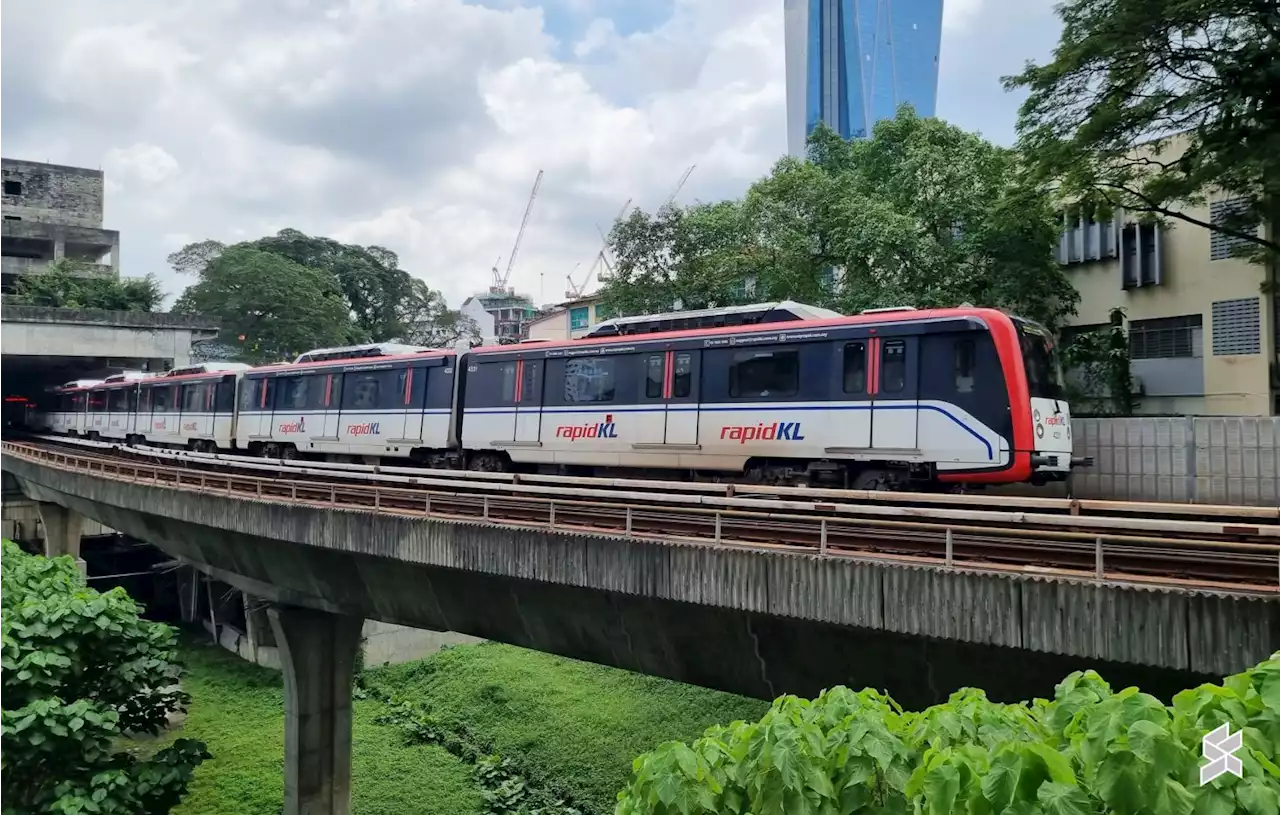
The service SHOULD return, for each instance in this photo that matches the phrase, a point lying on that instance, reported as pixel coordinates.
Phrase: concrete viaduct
(754, 622)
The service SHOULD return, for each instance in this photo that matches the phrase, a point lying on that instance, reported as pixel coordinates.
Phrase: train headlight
(1039, 431)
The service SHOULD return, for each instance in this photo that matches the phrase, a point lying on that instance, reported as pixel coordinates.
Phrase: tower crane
(500, 278)
(679, 185)
(575, 290)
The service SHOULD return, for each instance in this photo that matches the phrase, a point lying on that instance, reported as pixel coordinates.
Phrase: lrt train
(781, 393)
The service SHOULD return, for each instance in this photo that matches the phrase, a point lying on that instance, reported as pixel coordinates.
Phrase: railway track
(1237, 548)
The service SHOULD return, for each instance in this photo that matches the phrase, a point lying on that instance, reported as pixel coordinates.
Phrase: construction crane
(575, 290)
(679, 185)
(500, 278)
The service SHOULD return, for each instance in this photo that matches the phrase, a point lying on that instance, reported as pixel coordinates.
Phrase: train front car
(1051, 444)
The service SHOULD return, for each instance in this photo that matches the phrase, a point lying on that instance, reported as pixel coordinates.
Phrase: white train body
(949, 395)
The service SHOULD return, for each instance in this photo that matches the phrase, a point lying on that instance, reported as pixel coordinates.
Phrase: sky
(420, 125)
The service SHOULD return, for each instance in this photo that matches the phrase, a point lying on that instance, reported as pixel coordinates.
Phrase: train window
(369, 390)
(144, 400)
(163, 401)
(893, 366)
(855, 367)
(131, 396)
(224, 397)
(966, 359)
(508, 381)
(682, 382)
(97, 401)
(195, 397)
(77, 402)
(654, 370)
(118, 400)
(249, 394)
(589, 380)
(760, 374)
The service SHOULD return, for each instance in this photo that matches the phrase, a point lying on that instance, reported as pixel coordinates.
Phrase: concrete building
(510, 312)
(52, 212)
(569, 320)
(851, 63)
(1203, 335)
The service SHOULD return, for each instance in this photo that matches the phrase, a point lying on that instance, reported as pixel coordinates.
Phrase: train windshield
(1040, 356)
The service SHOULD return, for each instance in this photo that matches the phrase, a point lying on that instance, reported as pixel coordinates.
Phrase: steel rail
(1202, 564)
(1159, 528)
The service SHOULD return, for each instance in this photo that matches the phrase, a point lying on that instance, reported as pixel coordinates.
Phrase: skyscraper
(851, 63)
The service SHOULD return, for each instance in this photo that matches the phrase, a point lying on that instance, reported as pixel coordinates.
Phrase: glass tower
(851, 63)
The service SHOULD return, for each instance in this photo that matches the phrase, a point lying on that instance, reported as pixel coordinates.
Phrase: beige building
(1202, 330)
(569, 320)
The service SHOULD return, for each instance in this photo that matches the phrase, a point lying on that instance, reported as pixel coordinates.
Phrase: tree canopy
(280, 295)
(80, 670)
(64, 284)
(1132, 71)
(1088, 751)
(921, 214)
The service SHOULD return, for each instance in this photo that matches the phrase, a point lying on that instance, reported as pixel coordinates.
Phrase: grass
(571, 725)
(237, 710)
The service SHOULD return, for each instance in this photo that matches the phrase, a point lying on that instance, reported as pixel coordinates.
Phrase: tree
(67, 284)
(920, 214)
(429, 321)
(1132, 71)
(1088, 751)
(268, 305)
(386, 303)
(82, 669)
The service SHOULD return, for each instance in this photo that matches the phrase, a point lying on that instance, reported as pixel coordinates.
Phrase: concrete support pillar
(115, 257)
(317, 655)
(59, 247)
(62, 531)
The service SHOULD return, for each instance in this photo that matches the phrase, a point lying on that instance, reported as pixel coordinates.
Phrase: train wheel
(488, 463)
(288, 452)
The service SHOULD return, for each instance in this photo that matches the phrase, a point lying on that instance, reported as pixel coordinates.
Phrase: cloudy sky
(421, 124)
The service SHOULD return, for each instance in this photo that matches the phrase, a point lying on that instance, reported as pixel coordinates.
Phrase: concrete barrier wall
(1196, 459)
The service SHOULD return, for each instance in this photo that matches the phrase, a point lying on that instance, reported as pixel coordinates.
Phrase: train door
(960, 407)
(894, 393)
(529, 376)
(331, 419)
(849, 422)
(680, 390)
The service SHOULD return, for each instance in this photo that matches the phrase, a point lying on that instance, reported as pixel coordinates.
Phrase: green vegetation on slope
(237, 709)
(569, 726)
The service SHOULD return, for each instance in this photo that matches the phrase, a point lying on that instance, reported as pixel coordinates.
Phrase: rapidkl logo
(780, 431)
(299, 426)
(366, 429)
(190, 426)
(601, 430)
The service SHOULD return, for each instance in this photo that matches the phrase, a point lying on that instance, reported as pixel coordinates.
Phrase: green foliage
(68, 284)
(1132, 71)
(237, 709)
(567, 727)
(81, 669)
(332, 292)
(1100, 366)
(920, 214)
(1089, 751)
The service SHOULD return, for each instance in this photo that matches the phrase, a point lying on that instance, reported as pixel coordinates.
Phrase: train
(778, 393)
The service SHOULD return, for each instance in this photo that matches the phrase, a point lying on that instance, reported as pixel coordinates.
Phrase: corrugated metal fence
(1197, 459)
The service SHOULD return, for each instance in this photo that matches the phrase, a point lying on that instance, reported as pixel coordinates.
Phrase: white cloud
(420, 124)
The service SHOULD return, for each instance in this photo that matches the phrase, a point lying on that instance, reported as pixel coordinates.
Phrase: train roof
(369, 350)
(426, 353)
(723, 317)
(871, 317)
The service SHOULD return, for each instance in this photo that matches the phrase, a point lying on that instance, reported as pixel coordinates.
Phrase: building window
(762, 374)
(1085, 237)
(1141, 263)
(13, 188)
(1166, 337)
(1223, 246)
(579, 318)
(12, 218)
(1237, 327)
(589, 380)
